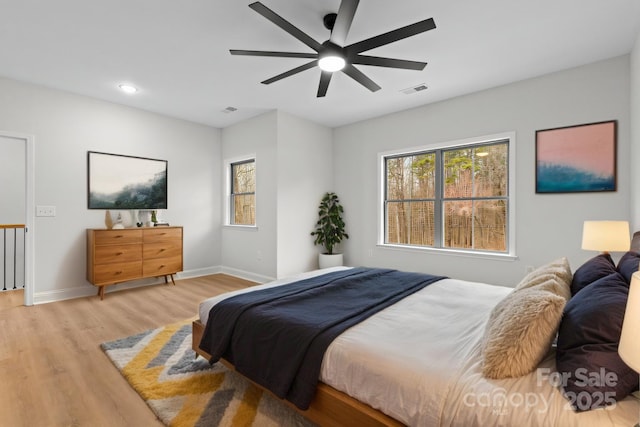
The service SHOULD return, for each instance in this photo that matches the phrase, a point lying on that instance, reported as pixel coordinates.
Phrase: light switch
(45, 210)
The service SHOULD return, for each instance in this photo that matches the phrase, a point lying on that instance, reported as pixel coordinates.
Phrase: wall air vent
(414, 89)
(229, 110)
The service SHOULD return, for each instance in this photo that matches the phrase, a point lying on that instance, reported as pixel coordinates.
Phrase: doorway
(17, 210)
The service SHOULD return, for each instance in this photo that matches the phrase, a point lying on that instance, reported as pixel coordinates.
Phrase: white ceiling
(177, 52)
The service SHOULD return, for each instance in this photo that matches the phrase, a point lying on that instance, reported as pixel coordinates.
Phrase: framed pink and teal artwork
(576, 159)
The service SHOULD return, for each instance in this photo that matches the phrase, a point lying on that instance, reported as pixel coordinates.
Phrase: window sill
(452, 252)
(241, 227)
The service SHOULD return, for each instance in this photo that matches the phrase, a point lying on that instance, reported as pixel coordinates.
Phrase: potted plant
(329, 230)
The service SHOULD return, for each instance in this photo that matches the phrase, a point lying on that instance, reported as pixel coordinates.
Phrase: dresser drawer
(117, 253)
(162, 250)
(115, 237)
(162, 234)
(162, 266)
(113, 273)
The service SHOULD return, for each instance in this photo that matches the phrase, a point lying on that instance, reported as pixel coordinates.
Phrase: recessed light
(128, 88)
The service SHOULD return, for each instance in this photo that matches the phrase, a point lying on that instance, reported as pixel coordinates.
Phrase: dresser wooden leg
(101, 292)
(173, 281)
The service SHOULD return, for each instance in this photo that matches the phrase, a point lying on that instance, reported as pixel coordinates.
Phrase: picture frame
(117, 181)
(577, 159)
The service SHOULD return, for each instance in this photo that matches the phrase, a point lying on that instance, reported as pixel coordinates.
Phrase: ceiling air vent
(229, 110)
(414, 89)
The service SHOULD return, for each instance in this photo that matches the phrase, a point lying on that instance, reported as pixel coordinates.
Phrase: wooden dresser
(115, 256)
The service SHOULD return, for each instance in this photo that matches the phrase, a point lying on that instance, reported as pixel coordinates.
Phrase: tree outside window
(243, 193)
(449, 198)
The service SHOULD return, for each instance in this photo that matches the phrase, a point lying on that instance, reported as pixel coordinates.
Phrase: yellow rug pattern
(184, 391)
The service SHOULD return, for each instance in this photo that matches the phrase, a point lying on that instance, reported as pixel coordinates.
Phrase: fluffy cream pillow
(520, 331)
(549, 283)
(555, 277)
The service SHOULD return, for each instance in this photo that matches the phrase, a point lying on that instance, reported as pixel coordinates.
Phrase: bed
(419, 362)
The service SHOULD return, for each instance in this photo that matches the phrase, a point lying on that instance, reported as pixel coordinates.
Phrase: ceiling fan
(333, 55)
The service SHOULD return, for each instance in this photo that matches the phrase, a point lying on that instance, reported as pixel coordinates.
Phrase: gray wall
(293, 170)
(251, 252)
(547, 226)
(305, 173)
(65, 127)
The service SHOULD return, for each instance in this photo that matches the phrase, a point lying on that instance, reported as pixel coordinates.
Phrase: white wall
(293, 170)
(251, 252)
(305, 173)
(65, 127)
(12, 180)
(548, 226)
(635, 135)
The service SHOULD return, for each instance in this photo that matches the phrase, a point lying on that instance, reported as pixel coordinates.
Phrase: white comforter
(419, 361)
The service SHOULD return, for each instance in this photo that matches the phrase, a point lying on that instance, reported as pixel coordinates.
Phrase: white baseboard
(90, 290)
(199, 272)
(246, 275)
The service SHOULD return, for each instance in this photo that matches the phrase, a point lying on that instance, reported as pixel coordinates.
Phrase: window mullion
(438, 209)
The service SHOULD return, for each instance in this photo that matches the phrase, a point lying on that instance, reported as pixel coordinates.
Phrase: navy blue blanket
(277, 337)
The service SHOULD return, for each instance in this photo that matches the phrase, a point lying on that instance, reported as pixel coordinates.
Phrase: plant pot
(333, 260)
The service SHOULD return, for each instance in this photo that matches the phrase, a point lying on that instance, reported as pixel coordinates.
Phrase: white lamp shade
(606, 236)
(629, 348)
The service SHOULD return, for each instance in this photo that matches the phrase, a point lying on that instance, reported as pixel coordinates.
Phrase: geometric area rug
(184, 391)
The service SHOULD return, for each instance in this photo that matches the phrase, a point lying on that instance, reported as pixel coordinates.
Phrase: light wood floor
(52, 370)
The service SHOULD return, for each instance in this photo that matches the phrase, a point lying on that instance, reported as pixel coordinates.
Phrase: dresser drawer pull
(118, 272)
(119, 253)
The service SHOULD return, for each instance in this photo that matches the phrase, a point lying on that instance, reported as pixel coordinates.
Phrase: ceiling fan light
(331, 63)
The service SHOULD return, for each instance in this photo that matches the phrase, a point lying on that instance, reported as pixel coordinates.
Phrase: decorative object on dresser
(116, 256)
(108, 221)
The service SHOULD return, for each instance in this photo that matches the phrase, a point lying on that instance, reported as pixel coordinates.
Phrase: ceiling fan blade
(285, 25)
(270, 53)
(359, 76)
(343, 21)
(325, 78)
(388, 62)
(392, 36)
(291, 72)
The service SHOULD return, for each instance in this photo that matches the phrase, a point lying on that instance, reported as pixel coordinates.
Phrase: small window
(455, 197)
(242, 200)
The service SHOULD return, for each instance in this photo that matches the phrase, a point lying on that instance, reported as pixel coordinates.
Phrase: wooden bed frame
(329, 407)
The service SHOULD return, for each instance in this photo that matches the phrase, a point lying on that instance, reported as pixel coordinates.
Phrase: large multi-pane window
(242, 200)
(452, 198)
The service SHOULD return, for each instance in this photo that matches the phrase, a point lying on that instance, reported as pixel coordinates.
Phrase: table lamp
(606, 236)
(629, 347)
